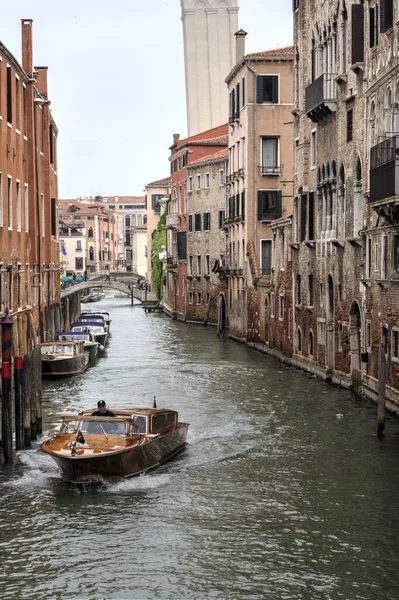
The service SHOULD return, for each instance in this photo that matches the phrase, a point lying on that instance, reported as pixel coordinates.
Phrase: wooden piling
(6, 412)
(382, 376)
(18, 396)
(27, 398)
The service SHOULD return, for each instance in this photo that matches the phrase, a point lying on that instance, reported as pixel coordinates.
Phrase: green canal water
(284, 491)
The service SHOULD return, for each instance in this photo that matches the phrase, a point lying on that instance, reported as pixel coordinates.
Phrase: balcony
(172, 221)
(321, 97)
(384, 170)
(269, 170)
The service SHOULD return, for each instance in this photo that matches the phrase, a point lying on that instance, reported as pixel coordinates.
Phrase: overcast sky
(116, 81)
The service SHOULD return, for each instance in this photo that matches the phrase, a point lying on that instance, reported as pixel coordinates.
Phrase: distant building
(73, 248)
(183, 153)
(155, 192)
(209, 54)
(206, 239)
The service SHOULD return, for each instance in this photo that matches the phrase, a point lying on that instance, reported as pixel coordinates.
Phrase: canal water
(284, 491)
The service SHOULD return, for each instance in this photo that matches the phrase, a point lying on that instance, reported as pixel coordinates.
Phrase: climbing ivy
(158, 240)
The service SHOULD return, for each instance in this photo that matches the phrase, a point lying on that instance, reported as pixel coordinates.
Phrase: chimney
(41, 80)
(27, 53)
(176, 138)
(240, 44)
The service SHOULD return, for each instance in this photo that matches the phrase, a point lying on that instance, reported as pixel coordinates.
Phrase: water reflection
(284, 491)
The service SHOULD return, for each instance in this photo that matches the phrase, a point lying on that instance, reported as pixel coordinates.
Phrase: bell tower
(209, 55)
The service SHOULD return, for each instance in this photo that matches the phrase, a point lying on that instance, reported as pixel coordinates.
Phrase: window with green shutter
(267, 89)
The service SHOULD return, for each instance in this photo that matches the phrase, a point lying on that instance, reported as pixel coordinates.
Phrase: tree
(158, 241)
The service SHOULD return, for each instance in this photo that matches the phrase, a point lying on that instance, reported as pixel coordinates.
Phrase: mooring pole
(382, 376)
(18, 387)
(6, 346)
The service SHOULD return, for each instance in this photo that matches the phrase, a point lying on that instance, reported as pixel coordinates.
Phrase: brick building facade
(29, 263)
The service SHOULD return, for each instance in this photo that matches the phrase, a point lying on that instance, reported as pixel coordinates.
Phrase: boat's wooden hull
(127, 462)
(65, 367)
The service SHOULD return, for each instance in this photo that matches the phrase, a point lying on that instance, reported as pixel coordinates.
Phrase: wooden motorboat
(95, 328)
(133, 442)
(63, 359)
(89, 343)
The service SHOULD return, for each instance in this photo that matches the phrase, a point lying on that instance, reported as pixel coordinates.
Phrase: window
(190, 222)
(238, 99)
(395, 344)
(198, 182)
(79, 263)
(269, 155)
(272, 305)
(184, 160)
(313, 141)
(266, 256)
(296, 156)
(243, 205)
(9, 95)
(384, 338)
(19, 207)
(207, 180)
(199, 264)
(243, 91)
(368, 258)
(386, 15)
(373, 12)
(207, 264)
(269, 205)
(267, 89)
(221, 218)
(155, 205)
(26, 202)
(9, 201)
(368, 335)
(160, 421)
(207, 221)
(395, 257)
(295, 5)
(1, 198)
(299, 339)
(281, 307)
(181, 245)
(349, 125)
(78, 245)
(91, 234)
(43, 225)
(190, 184)
(197, 221)
(17, 106)
(310, 290)
(199, 298)
(298, 290)
(190, 265)
(190, 297)
(54, 218)
(221, 177)
(357, 33)
(208, 298)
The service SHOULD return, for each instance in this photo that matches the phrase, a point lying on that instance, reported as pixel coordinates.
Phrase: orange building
(29, 247)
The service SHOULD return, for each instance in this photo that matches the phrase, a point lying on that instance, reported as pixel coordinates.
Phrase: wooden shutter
(303, 218)
(311, 217)
(259, 89)
(279, 207)
(357, 33)
(53, 217)
(260, 205)
(275, 89)
(386, 15)
(243, 205)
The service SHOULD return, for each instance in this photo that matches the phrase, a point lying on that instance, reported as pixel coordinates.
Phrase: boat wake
(140, 483)
(38, 471)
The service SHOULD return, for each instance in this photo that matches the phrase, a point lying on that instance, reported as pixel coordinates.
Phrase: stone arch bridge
(130, 289)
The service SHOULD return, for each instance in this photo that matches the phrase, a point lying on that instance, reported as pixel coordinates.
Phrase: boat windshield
(99, 427)
(64, 349)
(139, 424)
(97, 328)
(47, 349)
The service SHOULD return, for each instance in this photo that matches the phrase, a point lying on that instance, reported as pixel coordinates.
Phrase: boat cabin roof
(59, 343)
(136, 410)
(86, 323)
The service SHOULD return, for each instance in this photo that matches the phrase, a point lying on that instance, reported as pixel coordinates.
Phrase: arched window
(90, 232)
(341, 203)
(299, 339)
(91, 253)
(388, 113)
(311, 344)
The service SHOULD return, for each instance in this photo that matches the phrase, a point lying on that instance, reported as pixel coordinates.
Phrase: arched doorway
(355, 324)
(221, 314)
(330, 334)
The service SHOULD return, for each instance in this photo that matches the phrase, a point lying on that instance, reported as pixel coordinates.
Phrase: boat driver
(102, 410)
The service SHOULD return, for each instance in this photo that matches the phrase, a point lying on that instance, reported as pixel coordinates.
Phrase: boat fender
(101, 347)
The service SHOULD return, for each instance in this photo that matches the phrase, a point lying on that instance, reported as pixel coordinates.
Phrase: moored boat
(95, 328)
(131, 443)
(63, 359)
(103, 313)
(89, 344)
(94, 318)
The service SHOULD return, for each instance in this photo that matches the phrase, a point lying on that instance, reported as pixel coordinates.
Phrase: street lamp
(40, 102)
